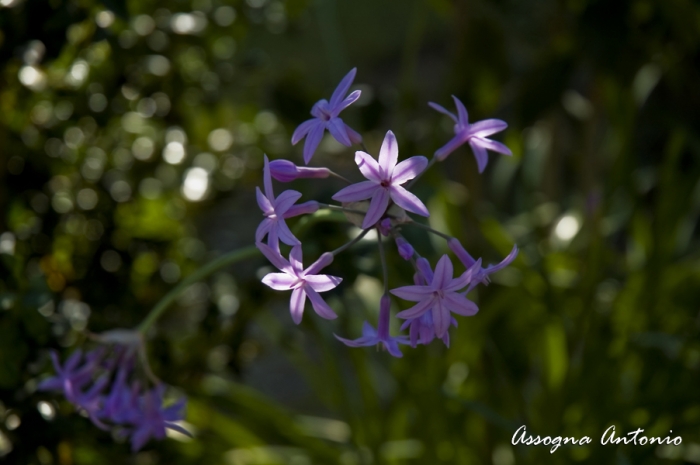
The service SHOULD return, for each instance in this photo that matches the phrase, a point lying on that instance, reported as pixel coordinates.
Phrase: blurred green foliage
(131, 139)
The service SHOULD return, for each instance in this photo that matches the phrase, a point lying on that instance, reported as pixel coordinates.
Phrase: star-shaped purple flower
(153, 418)
(481, 275)
(325, 116)
(302, 282)
(384, 182)
(441, 295)
(475, 134)
(276, 210)
(421, 329)
(372, 337)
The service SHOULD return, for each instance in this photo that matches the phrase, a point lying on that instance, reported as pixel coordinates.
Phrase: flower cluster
(382, 200)
(103, 384)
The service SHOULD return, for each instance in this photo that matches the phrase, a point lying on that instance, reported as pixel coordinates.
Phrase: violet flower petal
(356, 192)
(407, 200)
(377, 207)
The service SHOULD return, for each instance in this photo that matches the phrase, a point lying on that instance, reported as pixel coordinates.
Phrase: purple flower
(441, 296)
(286, 171)
(325, 116)
(475, 134)
(422, 330)
(275, 211)
(481, 275)
(153, 418)
(384, 182)
(302, 282)
(372, 337)
(385, 227)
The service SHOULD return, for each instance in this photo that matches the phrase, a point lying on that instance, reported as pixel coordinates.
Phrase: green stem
(211, 267)
(382, 258)
(430, 230)
(351, 243)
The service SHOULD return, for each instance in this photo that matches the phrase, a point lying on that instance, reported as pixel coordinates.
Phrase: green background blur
(131, 141)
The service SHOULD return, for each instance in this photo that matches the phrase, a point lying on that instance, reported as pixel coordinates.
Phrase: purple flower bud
(385, 226)
(461, 253)
(405, 249)
(286, 171)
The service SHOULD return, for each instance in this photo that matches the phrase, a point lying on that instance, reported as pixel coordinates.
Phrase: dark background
(580, 333)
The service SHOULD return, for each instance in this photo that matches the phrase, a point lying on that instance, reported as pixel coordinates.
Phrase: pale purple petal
(459, 304)
(285, 200)
(443, 110)
(480, 154)
(275, 258)
(487, 127)
(279, 281)
(412, 293)
(356, 192)
(263, 228)
(267, 179)
(461, 112)
(319, 108)
(363, 341)
(408, 201)
(505, 262)
(377, 207)
(320, 306)
(349, 100)
(323, 261)
(296, 258)
(441, 318)
(338, 130)
(273, 236)
(285, 234)
(424, 267)
(489, 144)
(342, 88)
(368, 166)
(392, 347)
(296, 304)
(263, 202)
(303, 129)
(417, 310)
(388, 154)
(305, 208)
(408, 169)
(355, 137)
(322, 282)
(450, 147)
(312, 141)
(443, 273)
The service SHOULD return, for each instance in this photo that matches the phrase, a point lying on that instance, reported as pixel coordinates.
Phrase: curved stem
(351, 243)
(203, 272)
(430, 230)
(339, 208)
(333, 173)
(382, 257)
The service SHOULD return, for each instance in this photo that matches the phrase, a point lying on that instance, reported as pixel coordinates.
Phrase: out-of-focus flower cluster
(382, 200)
(104, 384)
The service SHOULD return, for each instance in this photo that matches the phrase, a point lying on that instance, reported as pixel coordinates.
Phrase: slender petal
(349, 100)
(322, 282)
(505, 262)
(461, 112)
(263, 228)
(443, 110)
(377, 208)
(492, 145)
(296, 304)
(441, 318)
(356, 192)
(285, 200)
(285, 234)
(343, 88)
(480, 155)
(408, 201)
(320, 306)
(459, 304)
(388, 154)
(355, 137)
(303, 129)
(275, 258)
(408, 169)
(279, 281)
(338, 130)
(296, 258)
(312, 140)
(263, 202)
(443, 273)
(368, 166)
(450, 147)
(417, 310)
(487, 127)
(323, 261)
(412, 293)
(305, 208)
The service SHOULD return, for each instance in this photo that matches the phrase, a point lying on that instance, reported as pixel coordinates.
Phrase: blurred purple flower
(422, 330)
(481, 275)
(286, 171)
(325, 116)
(384, 182)
(153, 418)
(275, 211)
(475, 134)
(302, 282)
(440, 296)
(372, 337)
